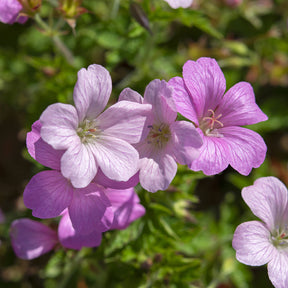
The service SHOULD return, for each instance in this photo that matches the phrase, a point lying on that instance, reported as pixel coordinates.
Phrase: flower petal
(267, 198)
(117, 159)
(205, 82)
(59, 123)
(179, 3)
(40, 150)
(90, 210)
(31, 239)
(252, 244)
(104, 181)
(159, 94)
(278, 270)
(69, 238)
(247, 148)
(238, 106)
(130, 95)
(92, 91)
(211, 158)
(126, 207)
(9, 12)
(126, 120)
(48, 193)
(78, 165)
(157, 171)
(183, 101)
(187, 141)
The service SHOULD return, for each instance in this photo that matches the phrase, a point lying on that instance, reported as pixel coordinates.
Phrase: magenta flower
(179, 3)
(257, 243)
(92, 140)
(49, 193)
(31, 239)
(200, 97)
(9, 12)
(165, 140)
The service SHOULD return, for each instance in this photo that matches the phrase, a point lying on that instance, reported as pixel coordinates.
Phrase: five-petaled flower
(199, 96)
(166, 141)
(92, 140)
(257, 243)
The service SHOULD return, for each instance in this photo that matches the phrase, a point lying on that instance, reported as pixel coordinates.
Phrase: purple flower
(49, 193)
(92, 140)
(31, 239)
(257, 243)
(179, 3)
(200, 97)
(9, 12)
(126, 207)
(165, 140)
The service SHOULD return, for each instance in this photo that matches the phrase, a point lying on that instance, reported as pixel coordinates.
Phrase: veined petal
(252, 244)
(40, 150)
(90, 210)
(117, 159)
(31, 239)
(126, 120)
(247, 148)
(183, 100)
(159, 94)
(126, 207)
(212, 155)
(238, 106)
(278, 270)
(71, 239)
(78, 165)
(187, 142)
(205, 82)
(9, 12)
(267, 198)
(130, 95)
(59, 123)
(48, 193)
(104, 181)
(157, 171)
(92, 91)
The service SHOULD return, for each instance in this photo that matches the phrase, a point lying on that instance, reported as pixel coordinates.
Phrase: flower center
(210, 124)
(280, 239)
(88, 131)
(159, 135)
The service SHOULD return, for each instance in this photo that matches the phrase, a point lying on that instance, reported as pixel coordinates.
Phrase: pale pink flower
(92, 140)
(9, 12)
(199, 96)
(179, 3)
(165, 140)
(257, 243)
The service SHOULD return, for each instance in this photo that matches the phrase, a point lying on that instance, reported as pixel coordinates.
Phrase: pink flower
(165, 140)
(200, 97)
(9, 12)
(49, 193)
(257, 243)
(31, 239)
(179, 3)
(91, 140)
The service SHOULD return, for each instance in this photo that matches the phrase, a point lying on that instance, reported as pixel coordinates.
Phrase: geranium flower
(9, 12)
(257, 243)
(179, 3)
(49, 193)
(199, 96)
(92, 140)
(165, 141)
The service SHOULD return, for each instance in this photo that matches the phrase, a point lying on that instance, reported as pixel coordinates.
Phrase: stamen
(213, 119)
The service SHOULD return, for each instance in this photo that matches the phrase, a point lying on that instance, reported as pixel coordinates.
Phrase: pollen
(159, 135)
(88, 131)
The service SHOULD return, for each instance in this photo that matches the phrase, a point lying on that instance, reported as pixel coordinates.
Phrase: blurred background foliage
(184, 240)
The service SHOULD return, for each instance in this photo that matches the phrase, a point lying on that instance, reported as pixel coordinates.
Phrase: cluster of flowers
(96, 158)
